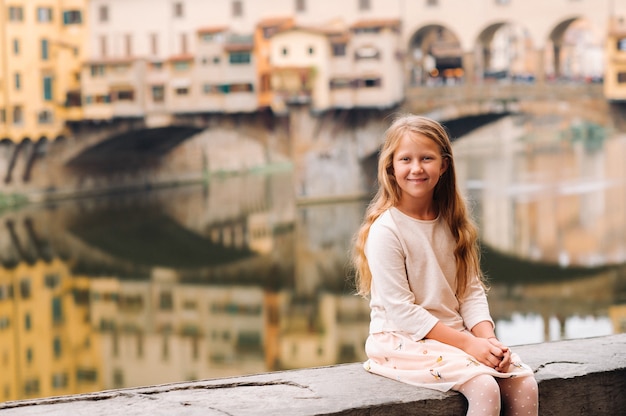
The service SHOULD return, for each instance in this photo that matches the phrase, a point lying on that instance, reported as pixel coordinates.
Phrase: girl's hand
(506, 358)
(489, 352)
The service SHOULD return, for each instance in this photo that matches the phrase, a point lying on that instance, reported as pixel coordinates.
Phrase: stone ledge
(577, 377)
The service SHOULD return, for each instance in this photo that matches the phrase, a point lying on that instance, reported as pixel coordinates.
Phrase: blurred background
(182, 179)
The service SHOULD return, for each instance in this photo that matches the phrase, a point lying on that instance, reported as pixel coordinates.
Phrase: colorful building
(41, 48)
(615, 78)
(47, 347)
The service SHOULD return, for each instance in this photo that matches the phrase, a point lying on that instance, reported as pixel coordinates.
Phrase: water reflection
(234, 278)
(548, 189)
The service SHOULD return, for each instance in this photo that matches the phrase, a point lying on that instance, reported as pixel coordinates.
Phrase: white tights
(486, 394)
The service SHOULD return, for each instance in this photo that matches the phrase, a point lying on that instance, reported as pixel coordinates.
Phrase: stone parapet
(576, 377)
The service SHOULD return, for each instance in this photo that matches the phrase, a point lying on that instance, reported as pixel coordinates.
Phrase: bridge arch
(505, 49)
(577, 37)
(434, 54)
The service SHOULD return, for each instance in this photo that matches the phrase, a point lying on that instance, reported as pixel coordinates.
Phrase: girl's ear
(444, 165)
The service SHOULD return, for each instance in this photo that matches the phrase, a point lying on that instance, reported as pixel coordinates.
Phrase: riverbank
(576, 377)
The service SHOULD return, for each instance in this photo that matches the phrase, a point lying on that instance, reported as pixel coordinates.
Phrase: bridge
(126, 153)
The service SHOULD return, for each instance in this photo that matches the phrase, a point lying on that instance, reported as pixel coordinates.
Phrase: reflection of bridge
(187, 229)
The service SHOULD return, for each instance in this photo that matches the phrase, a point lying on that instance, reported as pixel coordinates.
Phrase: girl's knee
(483, 389)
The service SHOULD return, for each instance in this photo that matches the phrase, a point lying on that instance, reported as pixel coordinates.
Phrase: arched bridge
(126, 153)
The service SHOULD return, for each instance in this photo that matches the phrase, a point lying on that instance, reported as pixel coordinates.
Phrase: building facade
(152, 59)
(42, 45)
(615, 79)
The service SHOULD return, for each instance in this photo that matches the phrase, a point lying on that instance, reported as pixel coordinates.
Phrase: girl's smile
(417, 166)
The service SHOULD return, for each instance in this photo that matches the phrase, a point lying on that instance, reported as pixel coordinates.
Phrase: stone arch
(574, 51)
(434, 55)
(505, 50)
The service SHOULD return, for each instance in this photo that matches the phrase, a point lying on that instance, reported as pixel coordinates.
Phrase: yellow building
(46, 344)
(615, 77)
(42, 43)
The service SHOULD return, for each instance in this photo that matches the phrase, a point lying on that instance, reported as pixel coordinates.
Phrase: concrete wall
(576, 377)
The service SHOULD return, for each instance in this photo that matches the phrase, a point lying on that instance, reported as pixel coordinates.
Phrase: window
(158, 93)
(311, 50)
(367, 52)
(103, 14)
(16, 46)
(369, 82)
(181, 65)
(44, 14)
(56, 347)
(183, 43)
(245, 87)
(126, 95)
(16, 14)
(339, 49)
(72, 17)
(285, 51)
(621, 44)
(239, 57)
(502, 2)
(59, 380)
(31, 387)
(45, 117)
(97, 71)
(181, 91)
(364, 5)
(28, 324)
(300, 5)
(51, 280)
(47, 88)
(341, 83)
(18, 118)
(178, 9)
(621, 77)
(166, 301)
(18, 81)
(237, 8)
(213, 37)
(44, 50)
(432, 3)
(210, 89)
(29, 355)
(128, 44)
(154, 43)
(86, 375)
(57, 310)
(103, 46)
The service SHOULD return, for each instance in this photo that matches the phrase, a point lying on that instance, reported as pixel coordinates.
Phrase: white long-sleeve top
(414, 278)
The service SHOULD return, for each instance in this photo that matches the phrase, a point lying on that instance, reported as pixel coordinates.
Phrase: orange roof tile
(211, 29)
(376, 23)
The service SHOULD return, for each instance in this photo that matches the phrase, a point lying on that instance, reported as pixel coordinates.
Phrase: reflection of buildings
(47, 347)
(163, 330)
(597, 294)
(553, 197)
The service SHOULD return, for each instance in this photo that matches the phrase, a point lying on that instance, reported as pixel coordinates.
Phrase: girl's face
(417, 167)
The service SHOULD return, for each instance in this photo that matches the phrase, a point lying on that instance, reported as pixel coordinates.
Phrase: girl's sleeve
(474, 308)
(390, 287)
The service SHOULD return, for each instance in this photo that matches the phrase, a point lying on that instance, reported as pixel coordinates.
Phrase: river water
(235, 277)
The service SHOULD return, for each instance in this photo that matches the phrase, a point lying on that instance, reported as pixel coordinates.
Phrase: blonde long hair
(450, 204)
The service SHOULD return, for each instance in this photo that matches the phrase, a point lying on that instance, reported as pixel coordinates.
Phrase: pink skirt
(429, 363)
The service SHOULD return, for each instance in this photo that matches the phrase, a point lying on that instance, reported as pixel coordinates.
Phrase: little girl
(416, 255)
